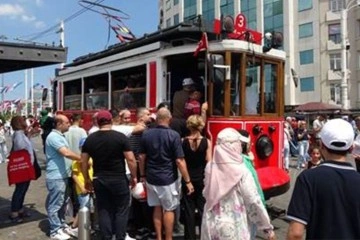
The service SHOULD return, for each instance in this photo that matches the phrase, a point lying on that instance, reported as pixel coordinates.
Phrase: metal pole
(2, 93)
(26, 93)
(344, 80)
(84, 224)
(32, 91)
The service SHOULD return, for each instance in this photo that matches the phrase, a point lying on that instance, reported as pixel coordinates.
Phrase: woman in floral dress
(232, 200)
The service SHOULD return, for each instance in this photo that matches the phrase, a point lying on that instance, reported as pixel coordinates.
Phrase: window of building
(307, 84)
(358, 60)
(335, 93)
(335, 33)
(168, 22)
(273, 15)
(305, 30)
(335, 5)
(307, 57)
(227, 7)
(208, 12)
(168, 5)
(189, 10)
(176, 2)
(304, 5)
(248, 8)
(335, 61)
(176, 19)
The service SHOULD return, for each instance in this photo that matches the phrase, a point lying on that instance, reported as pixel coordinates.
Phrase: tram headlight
(264, 147)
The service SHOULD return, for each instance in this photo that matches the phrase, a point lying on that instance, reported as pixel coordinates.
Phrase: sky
(86, 33)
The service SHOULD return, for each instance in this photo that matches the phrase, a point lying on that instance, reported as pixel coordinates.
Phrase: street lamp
(344, 47)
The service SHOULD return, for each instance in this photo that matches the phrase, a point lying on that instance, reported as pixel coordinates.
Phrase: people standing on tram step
(181, 96)
(73, 137)
(178, 122)
(57, 176)
(303, 138)
(20, 141)
(197, 150)
(161, 155)
(325, 200)
(232, 199)
(94, 126)
(109, 149)
(315, 157)
(248, 158)
(356, 150)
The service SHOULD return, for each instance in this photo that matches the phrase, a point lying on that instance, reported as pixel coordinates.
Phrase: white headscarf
(224, 171)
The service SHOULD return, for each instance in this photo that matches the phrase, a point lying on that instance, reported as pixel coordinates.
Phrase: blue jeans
(55, 203)
(84, 200)
(18, 197)
(303, 152)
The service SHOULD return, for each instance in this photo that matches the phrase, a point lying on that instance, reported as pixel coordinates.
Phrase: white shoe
(127, 237)
(73, 232)
(60, 235)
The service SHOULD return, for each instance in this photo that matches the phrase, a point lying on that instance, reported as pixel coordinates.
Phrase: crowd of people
(211, 189)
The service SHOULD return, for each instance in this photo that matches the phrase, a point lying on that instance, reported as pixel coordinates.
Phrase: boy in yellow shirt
(82, 194)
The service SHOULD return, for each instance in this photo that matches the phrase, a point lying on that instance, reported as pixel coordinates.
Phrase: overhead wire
(50, 30)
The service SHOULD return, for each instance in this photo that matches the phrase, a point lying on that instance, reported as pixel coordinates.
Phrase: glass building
(312, 40)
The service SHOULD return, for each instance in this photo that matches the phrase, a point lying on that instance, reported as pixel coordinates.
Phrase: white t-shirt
(127, 131)
(317, 124)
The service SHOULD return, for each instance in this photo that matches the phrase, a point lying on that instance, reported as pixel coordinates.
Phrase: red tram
(243, 85)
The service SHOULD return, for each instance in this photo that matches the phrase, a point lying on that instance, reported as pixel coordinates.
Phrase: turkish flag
(202, 45)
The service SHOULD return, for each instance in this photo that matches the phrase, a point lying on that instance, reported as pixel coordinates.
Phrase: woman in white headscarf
(232, 200)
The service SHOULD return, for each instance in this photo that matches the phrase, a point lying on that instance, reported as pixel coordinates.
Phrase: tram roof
(172, 34)
(19, 56)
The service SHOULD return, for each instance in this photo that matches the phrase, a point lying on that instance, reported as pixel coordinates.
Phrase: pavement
(36, 226)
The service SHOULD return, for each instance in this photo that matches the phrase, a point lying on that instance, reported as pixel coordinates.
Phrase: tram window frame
(72, 94)
(129, 87)
(96, 92)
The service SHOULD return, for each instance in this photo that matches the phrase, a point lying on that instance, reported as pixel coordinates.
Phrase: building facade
(312, 40)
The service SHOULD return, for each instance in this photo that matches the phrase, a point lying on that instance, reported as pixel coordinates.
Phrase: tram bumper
(273, 180)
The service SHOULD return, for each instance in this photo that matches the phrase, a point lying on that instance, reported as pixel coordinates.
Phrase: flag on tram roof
(202, 45)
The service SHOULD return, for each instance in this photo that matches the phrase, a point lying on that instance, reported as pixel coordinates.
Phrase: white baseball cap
(337, 134)
(187, 81)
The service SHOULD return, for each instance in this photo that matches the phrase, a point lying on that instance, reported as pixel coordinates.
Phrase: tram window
(218, 78)
(129, 87)
(253, 76)
(96, 92)
(270, 87)
(235, 91)
(72, 95)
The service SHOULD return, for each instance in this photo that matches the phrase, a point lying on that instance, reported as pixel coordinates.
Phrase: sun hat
(337, 134)
(187, 81)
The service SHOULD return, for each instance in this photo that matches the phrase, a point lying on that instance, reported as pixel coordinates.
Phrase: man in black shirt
(326, 199)
(109, 149)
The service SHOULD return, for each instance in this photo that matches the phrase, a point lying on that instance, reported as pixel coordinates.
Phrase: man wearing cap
(326, 199)
(181, 96)
(109, 149)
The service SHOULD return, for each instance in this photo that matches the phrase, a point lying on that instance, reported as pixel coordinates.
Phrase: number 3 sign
(240, 23)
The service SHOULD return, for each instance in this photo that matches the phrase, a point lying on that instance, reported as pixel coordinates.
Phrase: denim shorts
(84, 200)
(168, 197)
